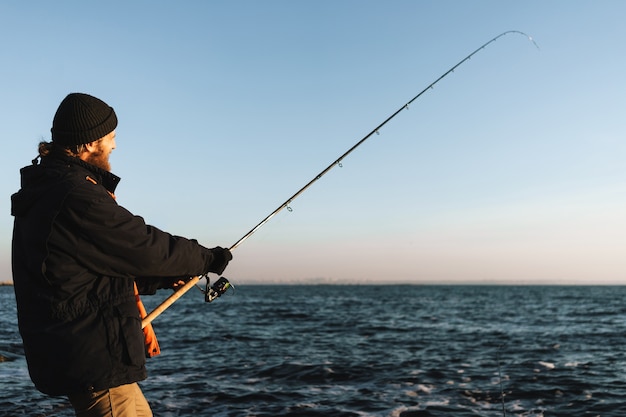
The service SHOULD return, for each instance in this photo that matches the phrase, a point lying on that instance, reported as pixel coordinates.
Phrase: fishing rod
(222, 284)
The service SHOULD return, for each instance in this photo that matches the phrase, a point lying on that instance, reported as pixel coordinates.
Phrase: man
(78, 258)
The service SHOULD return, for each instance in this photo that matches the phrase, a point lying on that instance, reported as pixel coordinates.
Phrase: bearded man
(79, 260)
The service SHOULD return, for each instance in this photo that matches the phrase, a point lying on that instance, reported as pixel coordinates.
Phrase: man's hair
(47, 148)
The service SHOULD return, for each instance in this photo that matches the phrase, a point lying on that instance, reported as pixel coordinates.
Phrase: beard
(99, 158)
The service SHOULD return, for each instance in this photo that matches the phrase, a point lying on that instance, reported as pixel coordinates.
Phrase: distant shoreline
(6, 284)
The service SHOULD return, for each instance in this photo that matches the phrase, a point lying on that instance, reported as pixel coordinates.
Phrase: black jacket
(76, 254)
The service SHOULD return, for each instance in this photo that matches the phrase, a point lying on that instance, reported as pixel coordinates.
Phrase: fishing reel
(219, 287)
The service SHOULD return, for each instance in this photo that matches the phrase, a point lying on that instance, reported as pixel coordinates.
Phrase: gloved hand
(220, 260)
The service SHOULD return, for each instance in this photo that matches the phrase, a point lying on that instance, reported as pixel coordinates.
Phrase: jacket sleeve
(112, 241)
(149, 285)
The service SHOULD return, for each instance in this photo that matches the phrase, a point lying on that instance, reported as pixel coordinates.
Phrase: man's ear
(88, 149)
(91, 146)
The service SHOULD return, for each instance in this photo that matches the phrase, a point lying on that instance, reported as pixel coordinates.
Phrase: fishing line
(287, 204)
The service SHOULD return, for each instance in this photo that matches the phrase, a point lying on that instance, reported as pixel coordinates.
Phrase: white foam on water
(547, 365)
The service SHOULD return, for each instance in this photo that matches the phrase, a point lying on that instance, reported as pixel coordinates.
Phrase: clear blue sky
(510, 170)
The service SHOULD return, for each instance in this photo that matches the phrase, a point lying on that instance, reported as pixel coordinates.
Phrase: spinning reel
(219, 287)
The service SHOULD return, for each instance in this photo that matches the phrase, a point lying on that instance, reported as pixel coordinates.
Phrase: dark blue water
(397, 351)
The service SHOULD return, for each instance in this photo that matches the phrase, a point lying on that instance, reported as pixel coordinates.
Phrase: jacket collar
(107, 179)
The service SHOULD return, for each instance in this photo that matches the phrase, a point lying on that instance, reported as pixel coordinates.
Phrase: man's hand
(220, 260)
(176, 285)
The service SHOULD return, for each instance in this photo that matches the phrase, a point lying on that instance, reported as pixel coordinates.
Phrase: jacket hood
(33, 180)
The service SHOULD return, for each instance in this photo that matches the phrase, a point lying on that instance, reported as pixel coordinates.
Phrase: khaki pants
(122, 401)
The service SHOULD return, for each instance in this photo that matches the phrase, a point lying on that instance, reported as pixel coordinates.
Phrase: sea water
(361, 351)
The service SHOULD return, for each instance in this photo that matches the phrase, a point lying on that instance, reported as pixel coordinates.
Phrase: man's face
(101, 149)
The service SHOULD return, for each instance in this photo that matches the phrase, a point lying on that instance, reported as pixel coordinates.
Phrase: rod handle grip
(169, 301)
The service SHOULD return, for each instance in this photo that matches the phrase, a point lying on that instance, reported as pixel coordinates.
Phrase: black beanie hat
(82, 118)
